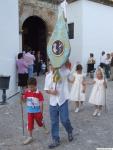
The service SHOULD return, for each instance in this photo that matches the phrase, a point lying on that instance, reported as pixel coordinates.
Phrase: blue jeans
(30, 71)
(63, 113)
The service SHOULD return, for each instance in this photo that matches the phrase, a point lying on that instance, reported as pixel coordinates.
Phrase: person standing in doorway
(38, 63)
(29, 58)
(43, 67)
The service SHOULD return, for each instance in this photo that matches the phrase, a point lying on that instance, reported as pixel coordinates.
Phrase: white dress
(97, 96)
(76, 93)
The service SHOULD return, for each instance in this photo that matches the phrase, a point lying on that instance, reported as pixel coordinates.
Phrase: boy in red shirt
(34, 100)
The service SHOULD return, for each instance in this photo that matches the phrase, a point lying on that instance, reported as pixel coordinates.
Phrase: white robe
(76, 93)
(97, 96)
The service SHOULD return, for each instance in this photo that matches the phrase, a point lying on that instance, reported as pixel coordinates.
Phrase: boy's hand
(54, 92)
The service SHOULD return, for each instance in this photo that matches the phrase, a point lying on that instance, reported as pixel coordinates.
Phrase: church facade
(36, 23)
(16, 23)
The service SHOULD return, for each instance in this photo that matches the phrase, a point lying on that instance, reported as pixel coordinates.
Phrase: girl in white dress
(77, 93)
(97, 96)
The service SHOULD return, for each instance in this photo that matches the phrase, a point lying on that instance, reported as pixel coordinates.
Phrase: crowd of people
(59, 93)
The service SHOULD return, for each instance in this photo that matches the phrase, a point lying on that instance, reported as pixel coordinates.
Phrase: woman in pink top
(22, 68)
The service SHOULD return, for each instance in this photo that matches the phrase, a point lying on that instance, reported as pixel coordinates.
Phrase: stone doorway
(34, 35)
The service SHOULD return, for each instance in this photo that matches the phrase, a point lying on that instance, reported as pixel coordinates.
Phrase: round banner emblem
(58, 48)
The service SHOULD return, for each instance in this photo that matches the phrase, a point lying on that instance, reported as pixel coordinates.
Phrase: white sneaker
(77, 110)
(28, 140)
(95, 112)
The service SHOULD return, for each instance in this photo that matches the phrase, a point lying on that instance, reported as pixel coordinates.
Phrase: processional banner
(58, 48)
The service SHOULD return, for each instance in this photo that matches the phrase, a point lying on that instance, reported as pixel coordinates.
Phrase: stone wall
(44, 10)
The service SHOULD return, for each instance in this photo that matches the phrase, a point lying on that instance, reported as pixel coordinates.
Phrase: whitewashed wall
(93, 30)
(97, 29)
(74, 14)
(9, 41)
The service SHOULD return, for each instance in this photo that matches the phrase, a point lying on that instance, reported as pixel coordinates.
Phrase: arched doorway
(35, 35)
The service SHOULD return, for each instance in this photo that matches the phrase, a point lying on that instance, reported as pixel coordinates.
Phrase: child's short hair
(32, 81)
(79, 67)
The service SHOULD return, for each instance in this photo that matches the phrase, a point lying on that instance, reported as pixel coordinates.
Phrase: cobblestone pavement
(89, 132)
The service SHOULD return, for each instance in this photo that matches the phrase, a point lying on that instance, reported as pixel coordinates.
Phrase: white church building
(91, 27)
(9, 42)
(93, 30)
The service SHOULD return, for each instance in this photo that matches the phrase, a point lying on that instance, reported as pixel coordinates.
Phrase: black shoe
(54, 144)
(70, 137)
